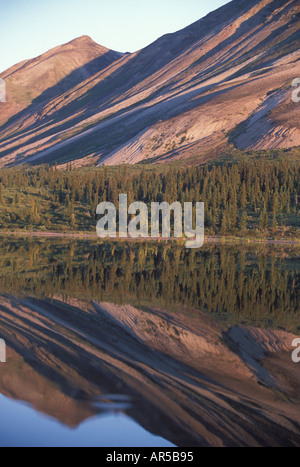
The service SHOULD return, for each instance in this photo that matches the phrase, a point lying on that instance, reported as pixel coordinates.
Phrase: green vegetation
(250, 199)
(257, 285)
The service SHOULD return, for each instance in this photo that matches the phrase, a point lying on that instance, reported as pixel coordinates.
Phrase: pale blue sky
(31, 27)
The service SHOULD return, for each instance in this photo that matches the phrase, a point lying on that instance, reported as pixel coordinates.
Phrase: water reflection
(25, 427)
(113, 402)
(258, 285)
(89, 335)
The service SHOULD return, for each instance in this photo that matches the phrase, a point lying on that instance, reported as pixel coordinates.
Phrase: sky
(29, 28)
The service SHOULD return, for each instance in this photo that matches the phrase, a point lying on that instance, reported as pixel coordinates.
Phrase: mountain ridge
(166, 102)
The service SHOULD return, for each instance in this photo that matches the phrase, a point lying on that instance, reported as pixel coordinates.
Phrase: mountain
(53, 73)
(223, 83)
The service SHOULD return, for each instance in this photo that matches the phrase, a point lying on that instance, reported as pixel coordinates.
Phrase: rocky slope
(223, 82)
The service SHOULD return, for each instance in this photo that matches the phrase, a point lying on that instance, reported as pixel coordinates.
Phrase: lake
(148, 344)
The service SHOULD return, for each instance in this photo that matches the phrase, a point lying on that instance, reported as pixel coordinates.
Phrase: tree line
(250, 196)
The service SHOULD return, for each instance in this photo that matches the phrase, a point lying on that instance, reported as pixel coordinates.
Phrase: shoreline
(93, 236)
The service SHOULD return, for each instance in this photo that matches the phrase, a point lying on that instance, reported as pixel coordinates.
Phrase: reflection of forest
(258, 284)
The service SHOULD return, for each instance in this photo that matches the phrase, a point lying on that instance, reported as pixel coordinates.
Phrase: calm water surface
(140, 345)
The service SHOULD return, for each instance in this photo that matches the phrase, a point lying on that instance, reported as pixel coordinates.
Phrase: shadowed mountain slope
(223, 82)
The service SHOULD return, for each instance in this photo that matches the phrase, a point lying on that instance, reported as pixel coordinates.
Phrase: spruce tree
(264, 219)
(244, 221)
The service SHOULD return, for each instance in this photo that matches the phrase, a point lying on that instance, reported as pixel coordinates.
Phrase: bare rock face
(223, 82)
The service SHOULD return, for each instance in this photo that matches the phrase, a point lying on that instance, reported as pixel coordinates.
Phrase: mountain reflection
(165, 336)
